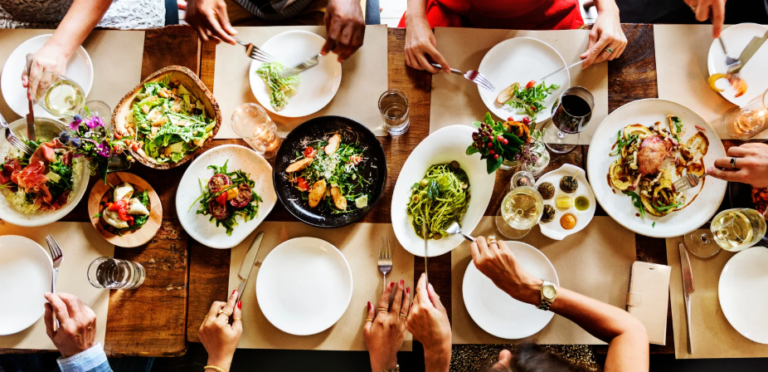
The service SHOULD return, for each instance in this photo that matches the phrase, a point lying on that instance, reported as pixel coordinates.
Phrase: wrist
(607, 7)
(59, 48)
(437, 359)
(223, 363)
(383, 365)
(527, 290)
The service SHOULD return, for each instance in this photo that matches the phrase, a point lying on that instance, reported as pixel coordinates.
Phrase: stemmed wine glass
(733, 230)
(570, 116)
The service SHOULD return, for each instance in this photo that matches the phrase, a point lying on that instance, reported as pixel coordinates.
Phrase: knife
(685, 267)
(426, 253)
(312, 62)
(748, 52)
(31, 116)
(247, 265)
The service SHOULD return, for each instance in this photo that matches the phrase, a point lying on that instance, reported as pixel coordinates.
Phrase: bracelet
(396, 368)
(217, 369)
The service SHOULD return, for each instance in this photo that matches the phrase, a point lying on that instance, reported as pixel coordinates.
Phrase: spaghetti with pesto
(439, 199)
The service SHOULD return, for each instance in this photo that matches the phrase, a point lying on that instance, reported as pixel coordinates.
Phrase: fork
(12, 139)
(385, 260)
(256, 53)
(730, 62)
(688, 181)
(473, 76)
(455, 228)
(57, 257)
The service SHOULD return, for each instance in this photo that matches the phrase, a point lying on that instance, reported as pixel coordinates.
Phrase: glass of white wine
(733, 230)
(520, 211)
(59, 95)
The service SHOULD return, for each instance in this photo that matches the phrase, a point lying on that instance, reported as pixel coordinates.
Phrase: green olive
(424, 182)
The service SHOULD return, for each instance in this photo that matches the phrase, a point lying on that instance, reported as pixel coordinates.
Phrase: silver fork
(688, 181)
(385, 260)
(730, 62)
(473, 76)
(255, 53)
(57, 257)
(13, 140)
(456, 229)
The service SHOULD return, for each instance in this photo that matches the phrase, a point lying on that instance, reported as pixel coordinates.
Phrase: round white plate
(304, 286)
(521, 60)
(743, 293)
(441, 147)
(618, 205)
(79, 69)
(25, 276)
(498, 313)
(553, 229)
(318, 84)
(197, 225)
(736, 38)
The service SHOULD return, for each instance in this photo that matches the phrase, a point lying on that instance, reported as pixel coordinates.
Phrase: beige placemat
(363, 79)
(359, 243)
(80, 244)
(116, 57)
(455, 100)
(713, 336)
(595, 262)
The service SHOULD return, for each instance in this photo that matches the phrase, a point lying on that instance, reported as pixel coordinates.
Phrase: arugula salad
(526, 99)
(280, 89)
(167, 121)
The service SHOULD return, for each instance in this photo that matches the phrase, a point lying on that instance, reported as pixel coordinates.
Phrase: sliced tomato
(222, 199)
(530, 84)
(309, 152)
(302, 184)
(218, 182)
(356, 159)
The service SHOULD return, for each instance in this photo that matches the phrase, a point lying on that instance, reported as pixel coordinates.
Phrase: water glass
(393, 105)
(98, 109)
(59, 95)
(113, 273)
(251, 122)
(572, 113)
(745, 122)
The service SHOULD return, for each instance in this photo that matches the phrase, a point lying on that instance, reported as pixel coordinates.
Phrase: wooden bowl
(129, 239)
(186, 77)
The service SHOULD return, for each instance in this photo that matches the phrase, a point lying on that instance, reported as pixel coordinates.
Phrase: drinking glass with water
(113, 273)
(393, 105)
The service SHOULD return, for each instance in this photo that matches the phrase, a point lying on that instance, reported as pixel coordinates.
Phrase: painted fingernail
(402, 282)
(239, 304)
(369, 305)
(233, 292)
(408, 290)
(391, 284)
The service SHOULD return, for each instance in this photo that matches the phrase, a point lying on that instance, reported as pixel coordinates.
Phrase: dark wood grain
(633, 75)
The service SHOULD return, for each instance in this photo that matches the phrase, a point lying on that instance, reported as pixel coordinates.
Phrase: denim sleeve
(91, 360)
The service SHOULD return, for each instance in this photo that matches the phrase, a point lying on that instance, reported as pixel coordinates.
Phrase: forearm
(606, 5)
(416, 9)
(79, 21)
(223, 362)
(437, 361)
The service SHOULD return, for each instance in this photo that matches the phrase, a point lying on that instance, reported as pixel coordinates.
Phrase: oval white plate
(553, 229)
(618, 205)
(521, 60)
(318, 84)
(304, 286)
(498, 313)
(441, 147)
(743, 293)
(197, 225)
(79, 69)
(25, 276)
(754, 73)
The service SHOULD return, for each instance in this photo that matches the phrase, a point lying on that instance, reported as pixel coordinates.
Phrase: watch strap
(546, 302)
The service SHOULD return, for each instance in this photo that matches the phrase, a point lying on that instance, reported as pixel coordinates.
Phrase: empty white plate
(753, 73)
(25, 276)
(79, 69)
(498, 313)
(521, 60)
(743, 293)
(304, 286)
(318, 84)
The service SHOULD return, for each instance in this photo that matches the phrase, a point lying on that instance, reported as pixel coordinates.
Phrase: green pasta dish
(280, 88)
(439, 199)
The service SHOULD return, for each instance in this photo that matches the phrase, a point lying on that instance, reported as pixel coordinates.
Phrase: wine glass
(733, 230)
(251, 122)
(570, 116)
(59, 95)
(520, 211)
(745, 122)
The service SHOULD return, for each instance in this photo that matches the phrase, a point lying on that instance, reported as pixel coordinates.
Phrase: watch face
(549, 292)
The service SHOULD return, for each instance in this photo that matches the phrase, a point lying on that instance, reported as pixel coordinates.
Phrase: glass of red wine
(570, 117)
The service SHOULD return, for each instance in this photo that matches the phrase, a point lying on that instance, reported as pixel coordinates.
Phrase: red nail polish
(391, 284)
(233, 291)
(369, 305)
(408, 290)
(239, 304)
(402, 282)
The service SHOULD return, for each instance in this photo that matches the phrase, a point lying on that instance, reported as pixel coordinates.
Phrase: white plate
(318, 85)
(79, 69)
(754, 73)
(25, 276)
(441, 147)
(304, 286)
(553, 229)
(197, 225)
(618, 205)
(521, 60)
(498, 313)
(743, 293)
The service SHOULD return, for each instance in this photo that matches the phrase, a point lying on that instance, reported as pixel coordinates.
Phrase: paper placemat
(360, 244)
(595, 262)
(81, 244)
(363, 79)
(457, 101)
(116, 57)
(713, 336)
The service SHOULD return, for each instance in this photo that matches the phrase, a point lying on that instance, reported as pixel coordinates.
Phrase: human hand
(428, 322)
(703, 8)
(218, 336)
(385, 330)
(420, 42)
(209, 18)
(345, 27)
(498, 263)
(606, 33)
(51, 57)
(77, 323)
(751, 165)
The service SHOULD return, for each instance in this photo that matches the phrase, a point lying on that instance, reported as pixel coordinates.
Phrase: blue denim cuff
(88, 360)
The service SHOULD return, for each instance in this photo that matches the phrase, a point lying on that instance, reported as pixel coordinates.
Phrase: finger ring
(491, 240)
(236, 319)
(403, 315)
(384, 309)
(223, 312)
(369, 320)
(609, 50)
(733, 163)
(693, 8)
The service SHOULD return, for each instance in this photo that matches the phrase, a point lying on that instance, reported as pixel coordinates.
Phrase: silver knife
(748, 52)
(31, 116)
(685, 267)
(247, 265)
(312, 62)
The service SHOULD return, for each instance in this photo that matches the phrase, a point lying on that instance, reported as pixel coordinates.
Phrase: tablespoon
(456, 229)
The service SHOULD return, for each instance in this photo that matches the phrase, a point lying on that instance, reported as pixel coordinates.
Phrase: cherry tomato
(356, 159)
(510, 119)
(309, 152)
(526, 120)
(533, 109)
(530, 84)
(222, 199)
(303, 184)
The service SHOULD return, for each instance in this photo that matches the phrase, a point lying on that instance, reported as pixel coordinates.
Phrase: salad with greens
(280, 89)
(526, 99)
(167, 121)
(226, 196)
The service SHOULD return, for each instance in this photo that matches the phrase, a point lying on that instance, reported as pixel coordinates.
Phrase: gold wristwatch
(548, 295)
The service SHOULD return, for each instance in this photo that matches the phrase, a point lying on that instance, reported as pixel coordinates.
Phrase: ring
(383, 309)
(491, 240)
(733, 163)
(609, 50)
(236, 319)
(369, 320)
(403, 315)
(223, 312)
(693, 8)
